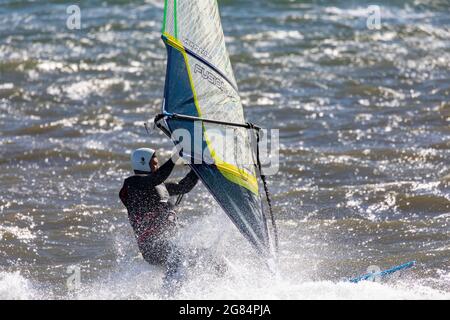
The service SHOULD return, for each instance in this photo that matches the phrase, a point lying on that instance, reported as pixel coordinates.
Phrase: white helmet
(140, 159)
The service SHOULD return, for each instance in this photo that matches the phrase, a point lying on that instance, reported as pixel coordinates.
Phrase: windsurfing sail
(200, 84)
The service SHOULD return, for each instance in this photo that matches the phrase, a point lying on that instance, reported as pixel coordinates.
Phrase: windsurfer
(146, 195)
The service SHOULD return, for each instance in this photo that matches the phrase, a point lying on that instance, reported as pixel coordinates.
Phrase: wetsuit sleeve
(184, 186)
(163, 172)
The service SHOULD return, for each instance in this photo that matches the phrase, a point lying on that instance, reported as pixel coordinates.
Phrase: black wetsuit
(146, 197)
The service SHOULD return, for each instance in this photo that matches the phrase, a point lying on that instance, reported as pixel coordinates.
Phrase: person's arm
(163, 172)
(184, 186)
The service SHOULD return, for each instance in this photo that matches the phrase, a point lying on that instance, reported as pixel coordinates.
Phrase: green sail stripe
(165, 17)
(175, 18)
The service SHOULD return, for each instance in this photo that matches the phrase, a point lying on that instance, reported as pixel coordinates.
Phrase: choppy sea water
(364, 120)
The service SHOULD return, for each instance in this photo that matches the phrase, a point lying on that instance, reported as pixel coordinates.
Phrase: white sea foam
(246, 278)
(133, 278)
(13, 286)
(18, 233)
(141, 281)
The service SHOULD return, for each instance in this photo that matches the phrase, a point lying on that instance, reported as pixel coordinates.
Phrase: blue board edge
(384, 273)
